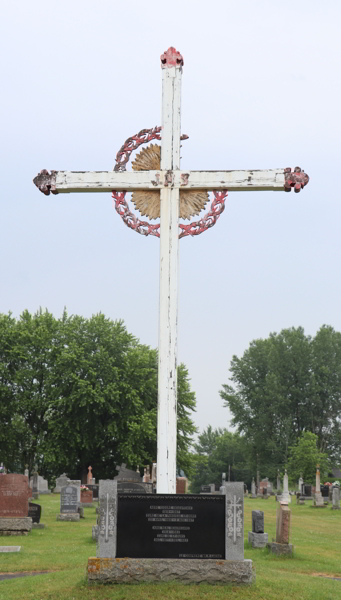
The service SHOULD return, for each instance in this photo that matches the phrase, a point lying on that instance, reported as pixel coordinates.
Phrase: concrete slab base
(68, 517)
(257, 540)
(10, 548)
(15, 525)
(280, 549)
(137, 570)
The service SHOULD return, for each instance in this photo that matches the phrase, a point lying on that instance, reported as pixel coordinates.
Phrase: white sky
(261, 89)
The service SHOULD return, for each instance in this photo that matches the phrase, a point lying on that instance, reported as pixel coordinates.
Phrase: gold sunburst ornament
(148, 202)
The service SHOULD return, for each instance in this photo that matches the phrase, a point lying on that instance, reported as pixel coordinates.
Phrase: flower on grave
(84, 488)
(2, 470)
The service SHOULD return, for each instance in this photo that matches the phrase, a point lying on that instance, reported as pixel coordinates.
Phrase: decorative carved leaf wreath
(147, 202)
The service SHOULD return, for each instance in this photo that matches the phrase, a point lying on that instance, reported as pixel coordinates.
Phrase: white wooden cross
(170, 180)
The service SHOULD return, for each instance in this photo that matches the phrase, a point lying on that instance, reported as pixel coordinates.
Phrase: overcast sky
(261, 89)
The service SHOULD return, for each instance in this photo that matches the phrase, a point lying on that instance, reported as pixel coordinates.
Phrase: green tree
(216, 451)
(303, 458)
(283, 386)
(78, 391)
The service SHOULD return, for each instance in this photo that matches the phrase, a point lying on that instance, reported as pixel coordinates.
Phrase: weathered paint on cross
(170, 180)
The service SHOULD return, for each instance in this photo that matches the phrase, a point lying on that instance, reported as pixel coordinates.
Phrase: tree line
(77, 392)
(285, 401)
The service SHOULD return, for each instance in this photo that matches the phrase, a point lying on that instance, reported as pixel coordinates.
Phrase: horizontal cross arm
(61, 182)
(57, 182)
(243, 181)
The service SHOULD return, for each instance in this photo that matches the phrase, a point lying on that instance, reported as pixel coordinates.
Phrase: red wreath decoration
(144, 227)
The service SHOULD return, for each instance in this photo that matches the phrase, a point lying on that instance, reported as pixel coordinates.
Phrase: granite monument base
(86, 504)
(186, 571)
(257, 540)
(38, 526)
(15, 525)
(280, 549)
(68, 517)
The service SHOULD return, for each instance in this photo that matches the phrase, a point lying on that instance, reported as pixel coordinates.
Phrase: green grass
(63, 550)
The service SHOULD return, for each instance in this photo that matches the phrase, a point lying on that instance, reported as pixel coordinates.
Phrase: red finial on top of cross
(171, 58)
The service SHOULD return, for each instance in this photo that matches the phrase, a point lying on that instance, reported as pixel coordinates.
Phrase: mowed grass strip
(63, 548)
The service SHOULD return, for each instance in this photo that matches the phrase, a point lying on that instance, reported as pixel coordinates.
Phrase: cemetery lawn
(62, 549)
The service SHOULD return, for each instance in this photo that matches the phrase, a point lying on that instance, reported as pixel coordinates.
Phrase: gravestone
(126, 474)
(171, 526)
(42, 485)
(35, 491)
(283, 520)
(34, 511)
(307, 491)
(14, 519)
(278, 482)
(69, 503)
(207, 489)
(167, 531)
(285, 496)
(257, 538)
(181, 485)
(336, 498)
(94, 488)
(61, 482)
(319, 502)
(134, 487)
(253, 488)
(130, 482)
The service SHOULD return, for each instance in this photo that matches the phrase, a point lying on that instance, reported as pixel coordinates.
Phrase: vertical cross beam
(171, 63)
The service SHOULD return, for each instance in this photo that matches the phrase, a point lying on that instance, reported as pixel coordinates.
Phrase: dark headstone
(307, 490)
(34, 511)
(325, 491)
(257, 521)
(171, 526)
(134, 487)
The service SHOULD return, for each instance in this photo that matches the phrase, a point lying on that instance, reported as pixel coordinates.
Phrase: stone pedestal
(38, 526)
(68, 517)
(319, 502)
(280, 549)
(186, 571)
(15, 525)
(257, 540)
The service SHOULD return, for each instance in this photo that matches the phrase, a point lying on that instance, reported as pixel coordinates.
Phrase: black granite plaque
(325, 491)
(134, 487)
(94, 488)
(170, 526)
(307, 490)
(34, 511)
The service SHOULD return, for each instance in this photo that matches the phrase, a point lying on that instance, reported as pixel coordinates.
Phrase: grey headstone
(234, 498)
(257, 521)
(107, 522)
(69, 499)
(10, 548)
(128, 474)
(336, 498)
(60, 482)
